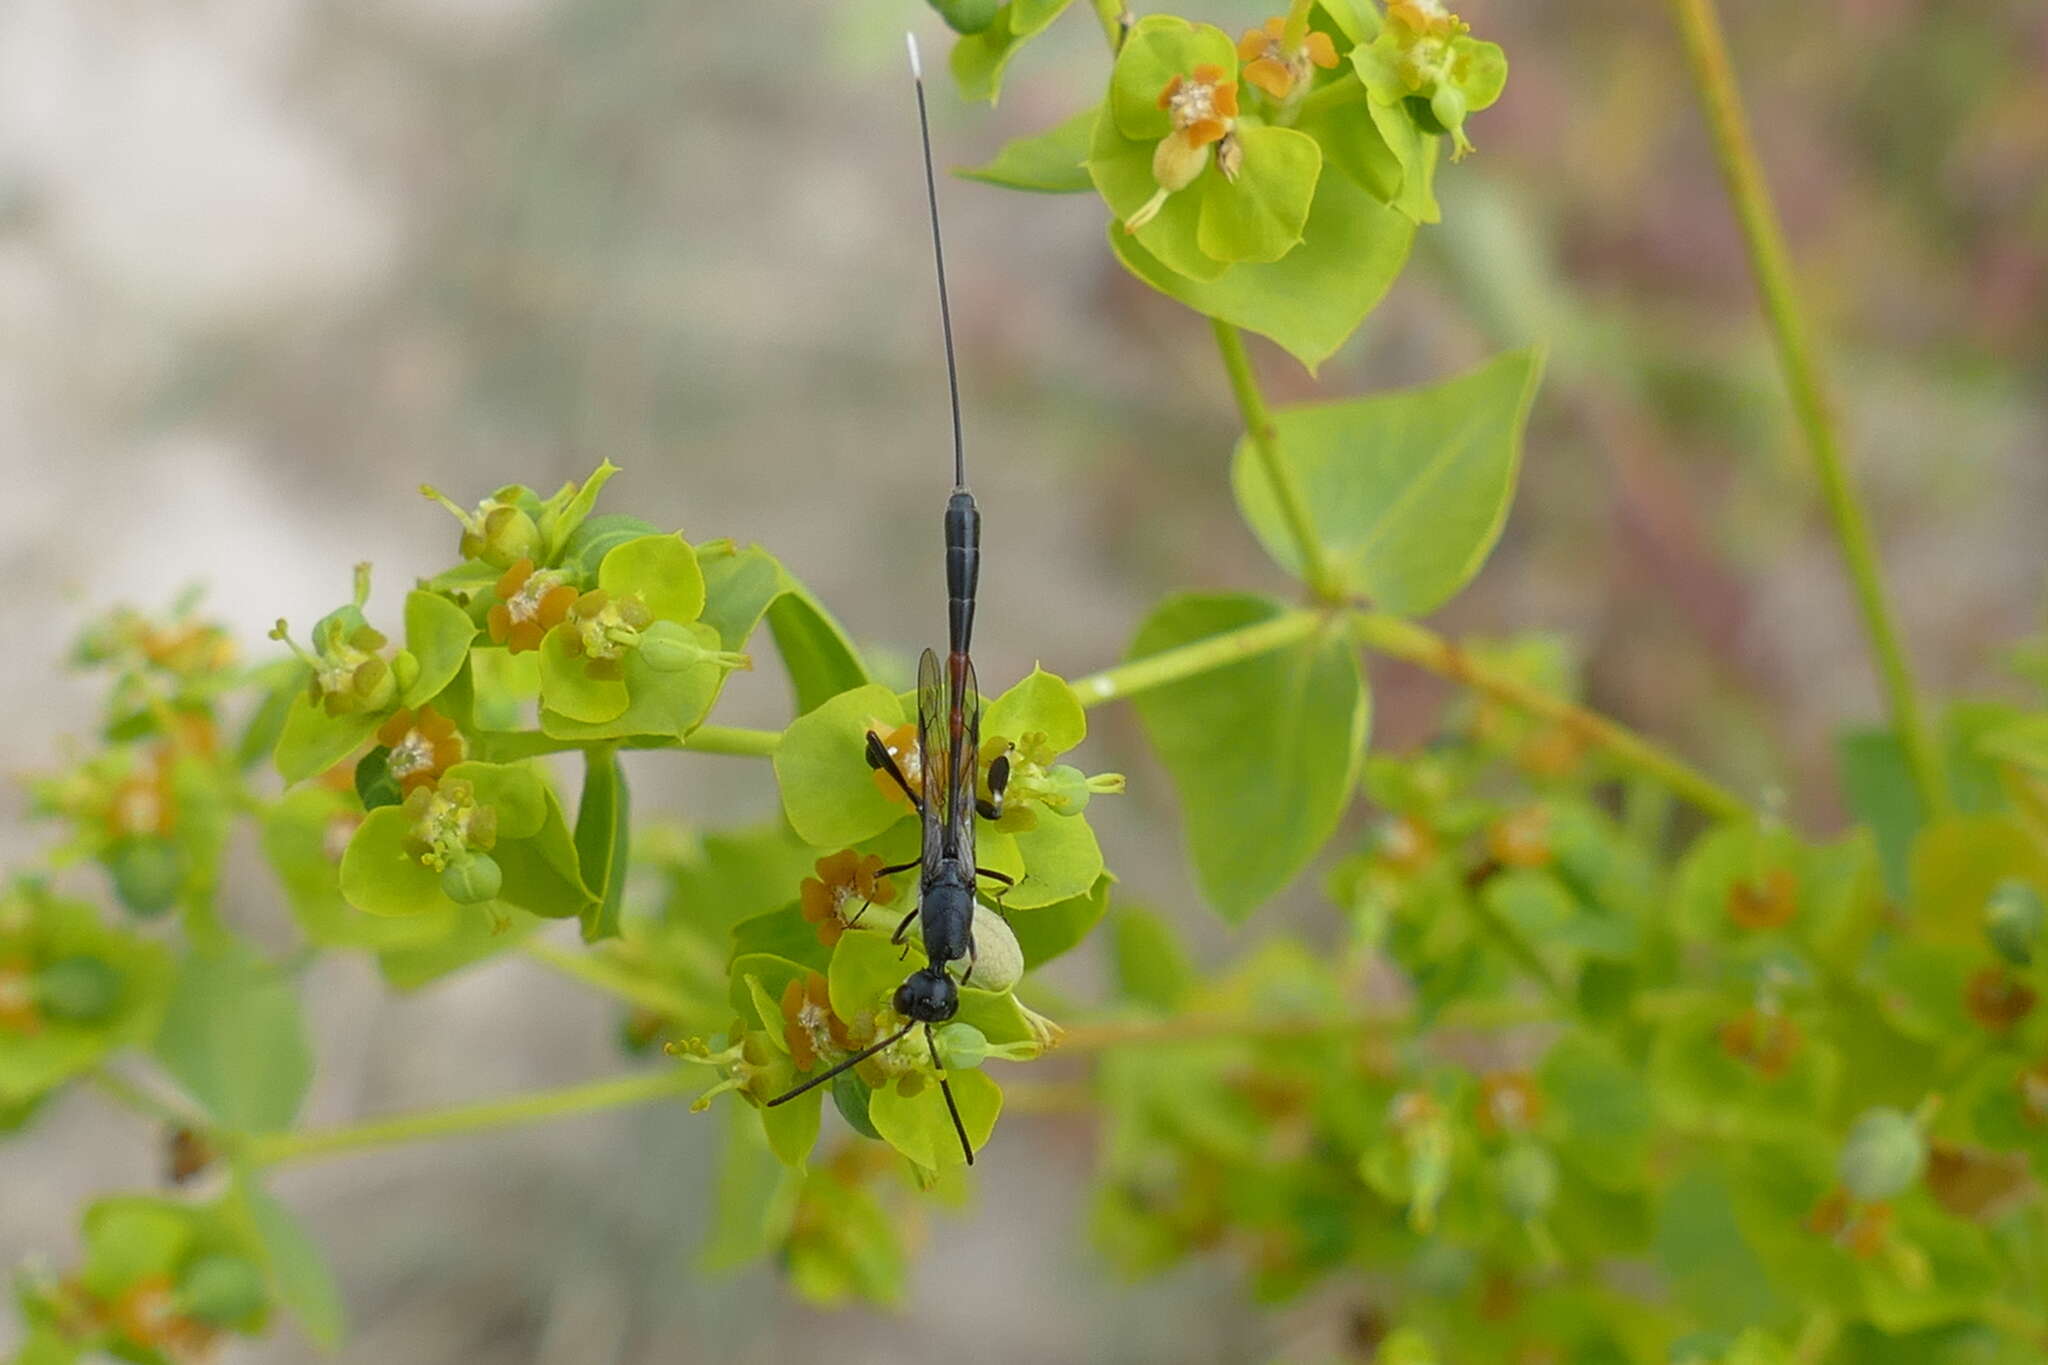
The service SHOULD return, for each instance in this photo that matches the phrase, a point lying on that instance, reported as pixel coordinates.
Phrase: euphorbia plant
(1567, 1075)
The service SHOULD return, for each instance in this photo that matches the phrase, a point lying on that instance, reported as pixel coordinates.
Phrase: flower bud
(1528, 1180)
(2012, 921)
(1883, 1156)
(78, 990)
(221, 1290)
(148, 872)
(471, 878)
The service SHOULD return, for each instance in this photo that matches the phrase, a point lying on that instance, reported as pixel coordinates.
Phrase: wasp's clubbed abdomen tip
(916, 62)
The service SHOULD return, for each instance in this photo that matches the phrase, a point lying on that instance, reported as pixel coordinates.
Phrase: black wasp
(949, 748)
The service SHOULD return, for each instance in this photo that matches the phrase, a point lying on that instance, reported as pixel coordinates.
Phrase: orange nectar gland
(808, 1024)
(1861, 1229)
(602, 628)
(18, 998)
(423, 744)
(1998, 1000)
(901, 745)
(147, 1315)
(1509, 1102)
(843, 877)
(531, 602)
(1203, 108)
(1764, 902)
(1763, 1039)
(1278, 68)
(1426, 16)
(447, 822)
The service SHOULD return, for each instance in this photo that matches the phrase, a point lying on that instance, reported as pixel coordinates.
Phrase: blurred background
(267, 265)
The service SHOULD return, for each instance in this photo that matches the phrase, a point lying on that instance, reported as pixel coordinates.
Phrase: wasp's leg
(897, 937)
(880, 873)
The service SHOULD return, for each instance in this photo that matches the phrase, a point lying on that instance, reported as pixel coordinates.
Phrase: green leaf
(739, 586)
(1713, 1267)
(1263, 752)
(1407, 492)
(313, 741)
(437, 635)
(661, 571)
(234, 1038)
(563, 516)
(921, 1128)
(1121, 168)
(380, 876)
(1048, 163)
(755, 993)
(1259, 216)
(1416, 152)
(1313, 298)
(2023, 742)
(792, 1128)
(298, 1273)
(1151, 966)
(783, 932)
(469, 935)
(1353, 144)
(603, 829)
(567, 689)
(1877, 784)
(828, 790)
(295, 832)
(594, 539)
(815, 650)
(979, 60)
(754, 1197)
(542, 873)
(1052, 930)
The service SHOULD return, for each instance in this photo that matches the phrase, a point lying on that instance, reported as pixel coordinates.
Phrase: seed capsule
(1884, 1155)
(78, 990)
(221, 1290)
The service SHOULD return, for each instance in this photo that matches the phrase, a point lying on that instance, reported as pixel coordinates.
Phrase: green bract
(980, 58)
(72, 991)
(397, 858)
(632, 658)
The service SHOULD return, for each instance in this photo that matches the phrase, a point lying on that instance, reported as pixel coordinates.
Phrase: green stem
(1516, 945)
(1707, 53)
(506, 746)
(132, 1096)
(1186, 661)
(1116, 20)
(596, 970)
(1265, 439)
(279, 1148)
(1418, 645)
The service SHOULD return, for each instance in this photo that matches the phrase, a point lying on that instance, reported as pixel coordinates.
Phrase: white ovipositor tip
(916, 63)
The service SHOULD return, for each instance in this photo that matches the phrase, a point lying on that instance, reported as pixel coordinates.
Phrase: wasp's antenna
(931, 191)
(855, 1060)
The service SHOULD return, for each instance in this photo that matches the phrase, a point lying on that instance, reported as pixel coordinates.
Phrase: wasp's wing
(935, 757)
(961, 786)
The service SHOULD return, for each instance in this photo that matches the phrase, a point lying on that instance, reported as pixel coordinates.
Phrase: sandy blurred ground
(266, 265)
